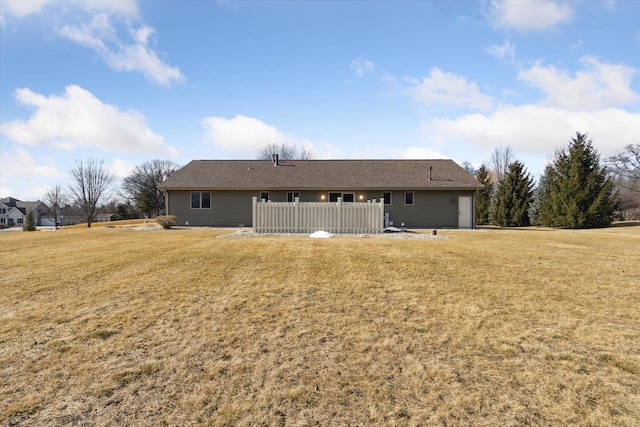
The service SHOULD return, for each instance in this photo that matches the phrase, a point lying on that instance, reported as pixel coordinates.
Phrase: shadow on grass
(542, 228)
(625, 224)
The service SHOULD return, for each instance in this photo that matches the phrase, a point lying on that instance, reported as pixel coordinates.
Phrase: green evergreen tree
(579, 193)
(513, 196)
(483, 197)
(534, 207)
(29, 223)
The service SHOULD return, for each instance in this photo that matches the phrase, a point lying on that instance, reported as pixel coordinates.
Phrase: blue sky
(129, 81)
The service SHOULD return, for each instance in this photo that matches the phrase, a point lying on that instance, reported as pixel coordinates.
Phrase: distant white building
(13, 212)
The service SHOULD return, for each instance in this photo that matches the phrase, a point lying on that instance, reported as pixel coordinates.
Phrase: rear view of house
(416, 193)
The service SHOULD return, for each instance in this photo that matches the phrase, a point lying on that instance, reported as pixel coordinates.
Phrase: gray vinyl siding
(228, 209)
(430, 209)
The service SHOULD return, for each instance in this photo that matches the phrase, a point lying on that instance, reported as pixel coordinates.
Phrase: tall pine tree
(578, 192)
(483, 197)
(538, 194)
(513, 196)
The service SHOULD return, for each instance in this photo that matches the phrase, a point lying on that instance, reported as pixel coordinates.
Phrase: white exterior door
(464, 212)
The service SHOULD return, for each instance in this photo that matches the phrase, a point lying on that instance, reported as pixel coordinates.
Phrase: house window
(291, 196)
(386, 195)
(264, 195)
(20, 220)
(3, 210)
(3, 221)
(408, 198)
(348, 197)
(200, 200)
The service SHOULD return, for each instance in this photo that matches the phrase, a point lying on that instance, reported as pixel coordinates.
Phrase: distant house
(416, 193)
(13, 212)
(104, 217)
(68, 215)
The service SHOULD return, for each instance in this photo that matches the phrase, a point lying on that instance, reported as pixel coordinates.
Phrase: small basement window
(201, 200)
(408, 198)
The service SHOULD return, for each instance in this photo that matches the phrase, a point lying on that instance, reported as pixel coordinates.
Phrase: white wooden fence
(308, 217)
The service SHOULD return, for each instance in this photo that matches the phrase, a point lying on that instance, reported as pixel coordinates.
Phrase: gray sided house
(13, 212)
(416, 193)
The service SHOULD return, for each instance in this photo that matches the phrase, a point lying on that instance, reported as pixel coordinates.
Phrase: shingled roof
(321, 175)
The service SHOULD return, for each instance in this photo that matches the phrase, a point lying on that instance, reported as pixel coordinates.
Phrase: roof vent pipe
(430, 168)
(275, 160)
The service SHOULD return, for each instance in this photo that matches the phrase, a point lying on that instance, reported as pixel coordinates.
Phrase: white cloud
(79, 119)
(142, 34)
(19, 162)
(134, 55)
(536, 129)
(529, 15)
(23, 8)
(126, 8)
(91, 24)
(505, 52)
(448, 89)
(361, 66)
(121, 168)
(419, 153)
(20, 170)
(244, 135)
(240, 134)
(600, 85)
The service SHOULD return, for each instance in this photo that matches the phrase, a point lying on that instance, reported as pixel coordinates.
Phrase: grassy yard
(107, 326)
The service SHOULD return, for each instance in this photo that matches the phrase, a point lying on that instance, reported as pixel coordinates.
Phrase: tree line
(92, 187)
(576, 190)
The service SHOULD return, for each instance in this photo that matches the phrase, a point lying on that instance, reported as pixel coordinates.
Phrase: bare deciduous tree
(285, 152)
(55, 199)
(625, 170)
(90, 183)
(142, 185)
(626, 164)
(500, 160)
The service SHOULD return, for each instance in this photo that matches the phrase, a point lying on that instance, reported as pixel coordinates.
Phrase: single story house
(416, 193)
(14, 212)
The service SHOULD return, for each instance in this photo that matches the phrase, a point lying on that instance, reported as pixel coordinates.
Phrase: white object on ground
(321, 235)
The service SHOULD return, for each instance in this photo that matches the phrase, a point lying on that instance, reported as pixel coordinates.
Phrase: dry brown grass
(177, 327)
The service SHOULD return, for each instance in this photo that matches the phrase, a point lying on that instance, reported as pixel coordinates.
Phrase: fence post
(296, 214)
(254, 219)
(339, 219)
